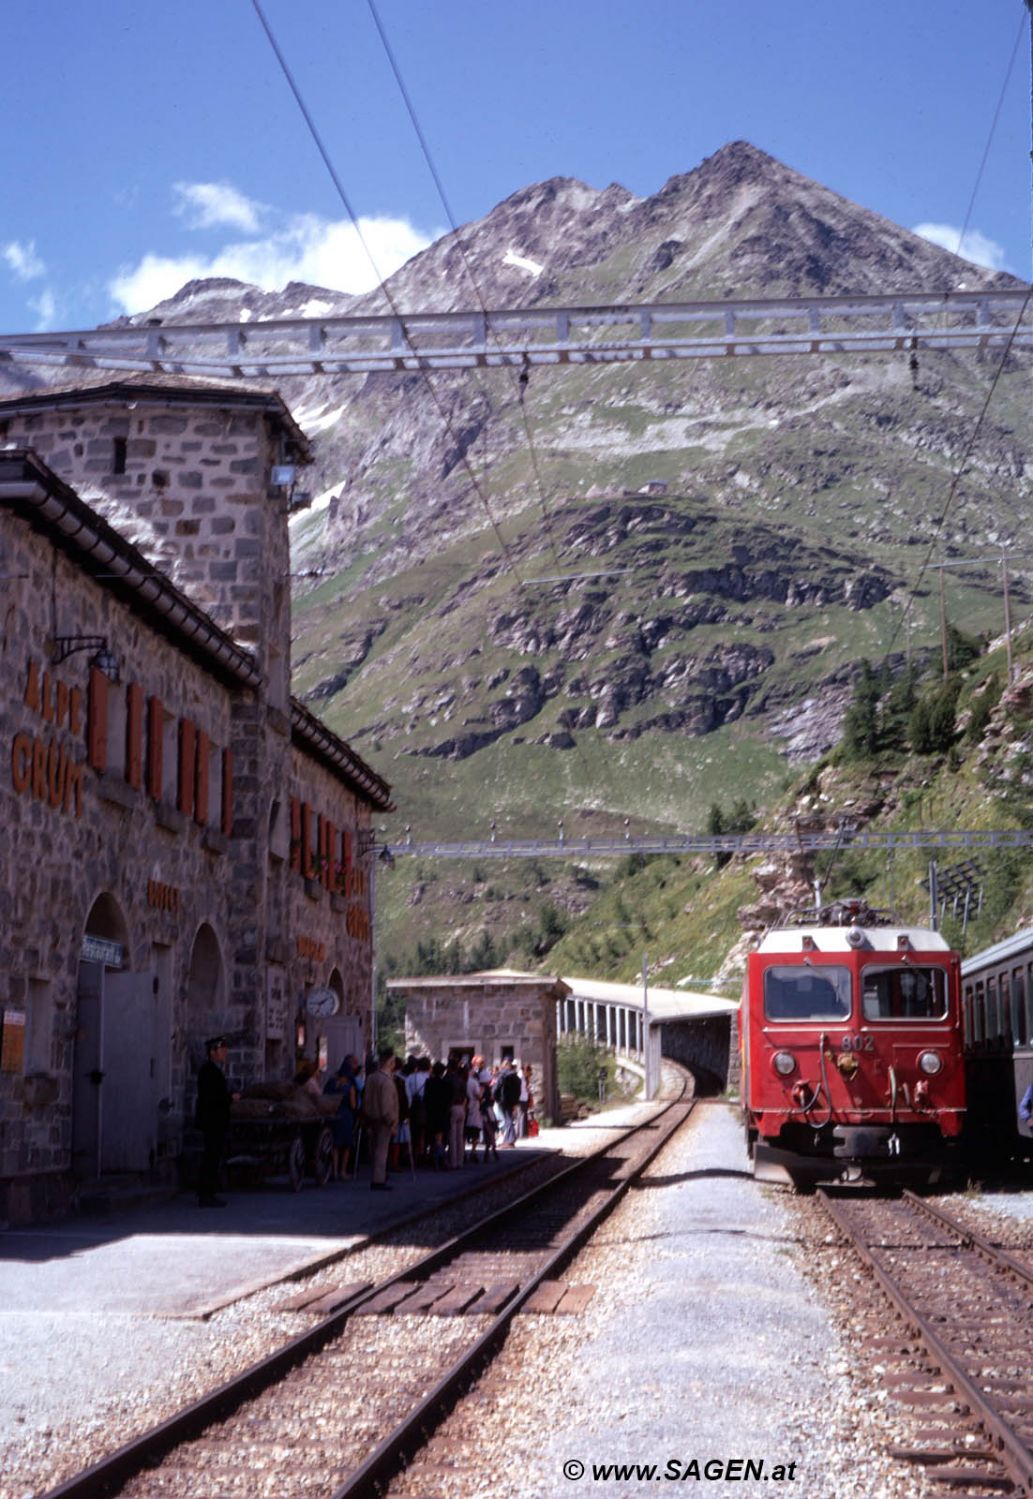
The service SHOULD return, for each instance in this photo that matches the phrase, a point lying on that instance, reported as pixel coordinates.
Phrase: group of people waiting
(436, 1112)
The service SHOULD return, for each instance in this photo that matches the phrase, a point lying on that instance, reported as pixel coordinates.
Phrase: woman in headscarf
(342, 1084)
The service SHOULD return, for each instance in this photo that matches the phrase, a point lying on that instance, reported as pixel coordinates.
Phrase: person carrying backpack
(509, 1093)
(489, 1120)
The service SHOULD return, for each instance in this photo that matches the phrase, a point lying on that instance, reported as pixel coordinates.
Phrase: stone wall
(321, 842)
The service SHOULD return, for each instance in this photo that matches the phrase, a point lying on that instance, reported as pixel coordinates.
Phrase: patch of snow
(315, 419)
(246, 315)
(315, 308)
(522, 263)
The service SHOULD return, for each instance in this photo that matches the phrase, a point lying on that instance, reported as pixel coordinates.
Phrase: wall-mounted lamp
(104, 659)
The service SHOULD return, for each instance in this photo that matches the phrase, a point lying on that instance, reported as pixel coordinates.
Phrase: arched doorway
(343, 1032)
(205, 991)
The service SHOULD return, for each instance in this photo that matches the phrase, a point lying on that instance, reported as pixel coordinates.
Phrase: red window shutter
(227, 792)
(97, 720)
(295, 835)
(204, 746)
(134, 735)
(331, 865)
(155, 747)
(187, 764)
(306, 841)
(346, 852)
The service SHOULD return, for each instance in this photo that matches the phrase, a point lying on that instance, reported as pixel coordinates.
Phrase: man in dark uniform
(213, 1120)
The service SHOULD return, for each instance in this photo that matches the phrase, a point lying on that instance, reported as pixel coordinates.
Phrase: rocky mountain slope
(760, 522)
(753, 526)
(697, 921)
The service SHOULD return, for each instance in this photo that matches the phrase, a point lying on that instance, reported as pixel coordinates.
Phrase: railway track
(337, 1412)
(961, 1358)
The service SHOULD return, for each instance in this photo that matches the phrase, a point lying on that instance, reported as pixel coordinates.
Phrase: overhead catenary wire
(990, 136)
(959, 473)
(385, 289)
(905, 618)
(522, 377)
(382, 282)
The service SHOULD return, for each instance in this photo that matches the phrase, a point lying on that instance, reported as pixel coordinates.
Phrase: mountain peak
(736, 164)
(559, 192)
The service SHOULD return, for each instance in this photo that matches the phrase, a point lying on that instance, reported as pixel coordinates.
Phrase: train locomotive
(852, 1056)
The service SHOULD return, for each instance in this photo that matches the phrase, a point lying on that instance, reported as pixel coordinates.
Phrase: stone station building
(497, 1015)
(184, 848)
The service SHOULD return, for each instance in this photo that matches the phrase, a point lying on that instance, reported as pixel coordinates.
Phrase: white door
(129, 1114)
(344, 1038)
(88, 1075)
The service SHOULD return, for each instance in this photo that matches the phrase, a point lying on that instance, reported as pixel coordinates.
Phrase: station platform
(172, 1259)
(108, 1325)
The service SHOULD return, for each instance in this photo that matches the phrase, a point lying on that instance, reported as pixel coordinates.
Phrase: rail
(110, 1474)
(985, 1390)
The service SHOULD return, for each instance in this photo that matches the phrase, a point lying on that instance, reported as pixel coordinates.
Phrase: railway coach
(852, 1064)
(997, 1001)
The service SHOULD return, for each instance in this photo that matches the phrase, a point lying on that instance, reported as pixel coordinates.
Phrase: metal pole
(372, 948)
(934, 896)
(943, 622)
(645, 1026)
(1007, 616)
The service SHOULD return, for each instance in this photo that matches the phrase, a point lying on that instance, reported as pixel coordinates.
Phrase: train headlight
(784, 1063)
(930, 1063)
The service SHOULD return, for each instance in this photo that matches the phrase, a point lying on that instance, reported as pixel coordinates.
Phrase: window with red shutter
(187, 766)
(155, 747)
(97, 720)
(134, 735)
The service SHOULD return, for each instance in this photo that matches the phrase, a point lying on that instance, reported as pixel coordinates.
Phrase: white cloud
(978, 248)
(311, 249)
(45, 308)
(208, 205)
(23, 260)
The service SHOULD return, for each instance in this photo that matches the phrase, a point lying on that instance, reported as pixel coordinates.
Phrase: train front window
(807, 993)
(904, 993)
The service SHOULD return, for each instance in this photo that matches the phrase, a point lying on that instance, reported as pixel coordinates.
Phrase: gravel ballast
(76, 1383)
(704, 1342)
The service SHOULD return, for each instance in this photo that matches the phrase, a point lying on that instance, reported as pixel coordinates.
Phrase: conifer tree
(861, 724)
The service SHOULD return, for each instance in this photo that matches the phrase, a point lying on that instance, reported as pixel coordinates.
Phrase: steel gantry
(543, 336)
(562, 847)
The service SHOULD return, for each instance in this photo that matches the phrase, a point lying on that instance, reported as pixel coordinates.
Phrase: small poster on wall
(275, 1007)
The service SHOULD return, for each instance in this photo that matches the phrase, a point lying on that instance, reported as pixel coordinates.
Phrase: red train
(852, 1051)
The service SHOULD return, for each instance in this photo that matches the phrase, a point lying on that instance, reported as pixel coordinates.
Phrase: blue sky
(151, 142)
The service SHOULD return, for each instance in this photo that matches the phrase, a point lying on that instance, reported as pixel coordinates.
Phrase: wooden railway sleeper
(128, 1468)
